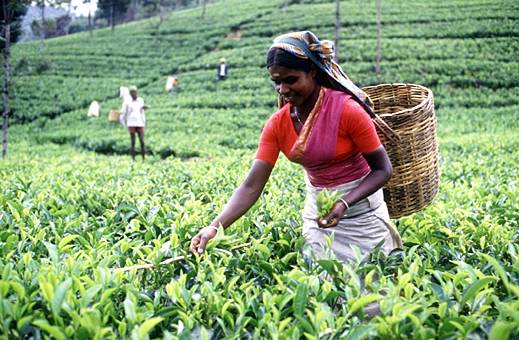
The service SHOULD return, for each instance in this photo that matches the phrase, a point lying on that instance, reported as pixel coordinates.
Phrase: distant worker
(222, 70)
(171, 83)
(133, 117)
(93, 109)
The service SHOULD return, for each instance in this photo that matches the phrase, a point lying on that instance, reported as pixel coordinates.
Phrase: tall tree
(203, 8)
(337, 29)
(162, 10)
(114, 11)
(112, 16)
(89, 15)
(154, 7)
(41, 4)
(180, 3)
(51, 27)
(11, 14)
(133, 10)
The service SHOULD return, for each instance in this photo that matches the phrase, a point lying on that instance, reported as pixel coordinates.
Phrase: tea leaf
(52, 330)
(359, 332)
(129, 310)
(53, 251)
(501, 330)
(362, 302)
(300, 300)
(148, 325)
(59, 295)
(325, 200)
(474, 288)
(65, 241)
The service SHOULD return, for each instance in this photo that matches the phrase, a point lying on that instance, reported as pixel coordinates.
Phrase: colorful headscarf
(306, 45)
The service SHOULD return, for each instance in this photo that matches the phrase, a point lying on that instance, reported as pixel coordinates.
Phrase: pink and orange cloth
(330, 144)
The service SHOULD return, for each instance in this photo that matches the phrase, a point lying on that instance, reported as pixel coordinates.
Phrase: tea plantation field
(74, 208)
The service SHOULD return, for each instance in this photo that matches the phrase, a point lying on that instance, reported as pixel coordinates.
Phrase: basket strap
(383, 127)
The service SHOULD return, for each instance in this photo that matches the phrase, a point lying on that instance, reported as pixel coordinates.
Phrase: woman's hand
(242, 199)
(333, 217)
(199, 242)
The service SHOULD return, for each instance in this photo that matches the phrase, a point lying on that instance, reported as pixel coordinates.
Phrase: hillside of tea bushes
(465, 51)
(74, 208)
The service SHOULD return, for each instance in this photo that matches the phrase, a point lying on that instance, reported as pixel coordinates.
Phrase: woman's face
(295, 86)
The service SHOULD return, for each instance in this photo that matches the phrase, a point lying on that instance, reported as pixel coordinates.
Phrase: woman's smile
(292, 98)
(295, 86)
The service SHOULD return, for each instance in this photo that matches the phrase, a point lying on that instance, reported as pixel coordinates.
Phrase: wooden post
(337, 29)
(203, 8)
(134, 10)
(112, 15)
(161, 11)
(42, 27)
(90, 21)
(379, 32)
(6, 55)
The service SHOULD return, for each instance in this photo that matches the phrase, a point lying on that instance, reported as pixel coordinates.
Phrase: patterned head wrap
(306, 45)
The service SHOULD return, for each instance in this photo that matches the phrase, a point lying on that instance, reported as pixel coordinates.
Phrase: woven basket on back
(406, 125)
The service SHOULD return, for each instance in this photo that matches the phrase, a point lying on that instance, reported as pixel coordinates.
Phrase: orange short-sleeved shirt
(356, 134)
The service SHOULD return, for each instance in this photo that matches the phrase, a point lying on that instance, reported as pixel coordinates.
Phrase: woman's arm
(241, 201)
(381, 171)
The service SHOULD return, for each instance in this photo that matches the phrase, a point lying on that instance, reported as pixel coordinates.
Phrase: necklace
(297, 116)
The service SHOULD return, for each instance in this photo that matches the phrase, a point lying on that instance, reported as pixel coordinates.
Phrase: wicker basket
(406, 125)
(113, 116)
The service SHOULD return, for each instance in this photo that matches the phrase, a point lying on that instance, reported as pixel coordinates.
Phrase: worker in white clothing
(134, 119)
(222, 70)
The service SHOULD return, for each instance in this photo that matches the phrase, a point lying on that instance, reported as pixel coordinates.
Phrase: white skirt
(364, 225)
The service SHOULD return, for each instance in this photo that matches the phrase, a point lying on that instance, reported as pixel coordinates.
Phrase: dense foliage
(12, 13)
(69, 217)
